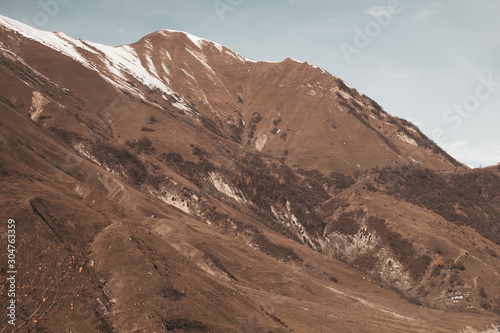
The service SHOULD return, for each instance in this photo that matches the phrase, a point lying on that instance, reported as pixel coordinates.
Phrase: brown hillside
(174, 185)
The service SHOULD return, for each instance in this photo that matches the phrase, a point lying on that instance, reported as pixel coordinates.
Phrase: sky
(435, 63)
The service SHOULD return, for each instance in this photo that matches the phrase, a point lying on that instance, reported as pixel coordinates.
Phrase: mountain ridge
(137, 67)
(240, 196)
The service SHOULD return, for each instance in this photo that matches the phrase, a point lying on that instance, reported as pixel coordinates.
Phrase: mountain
(173, 184)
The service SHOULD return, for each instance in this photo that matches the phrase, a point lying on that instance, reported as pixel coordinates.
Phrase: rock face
(175, 184)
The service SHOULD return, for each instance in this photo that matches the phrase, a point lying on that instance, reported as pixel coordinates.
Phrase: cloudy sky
(435, 63)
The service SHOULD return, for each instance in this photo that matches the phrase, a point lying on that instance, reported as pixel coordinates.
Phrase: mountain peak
(174, 170)
(202, 77)
(30, 32)
(197, 41)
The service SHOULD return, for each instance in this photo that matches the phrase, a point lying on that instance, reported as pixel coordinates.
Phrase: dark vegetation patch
(336, 181)
(141, 146)
(341, 181)
(402, 248)
(436, 271)
(329, 207)
(67, 136)
(248, 230)
(376, 108)
(492, 252)
(370, 187)
(482, 293)
(365, 262)
(105, 323)
(214, 259)
(252, 125)
(457, 265)
(171, 158)
(120, 160)
(236, 126)
(410, 299)
(212, 126)
(403, 125)
(420, 138)
(198, 151)
(346, 223)
(342, 86)
(333, 279)
(195, 172)
(273, 317)
(236, 131)
(464, 198)
(269, 185)
(146, 129)
(375, 105)
(485, 304)
(278, 251)
(9, 102)
(265, 185)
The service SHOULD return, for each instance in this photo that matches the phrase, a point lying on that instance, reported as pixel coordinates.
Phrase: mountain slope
(324, 126)
(164, 194)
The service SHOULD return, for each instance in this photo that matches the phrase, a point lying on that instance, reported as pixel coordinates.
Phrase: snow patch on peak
(201, 43)
(151, 67)
(198, 41)
(166, 71)
(148, 44)
(18, 26)
(236, 55)
(322, 70)
(117, 65)
(117, 62)
(55, 40)
(168, 55)
(250, 60)
(125, 60)
(201, 58)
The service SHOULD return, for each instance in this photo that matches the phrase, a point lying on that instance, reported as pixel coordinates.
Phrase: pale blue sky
(429, 61)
